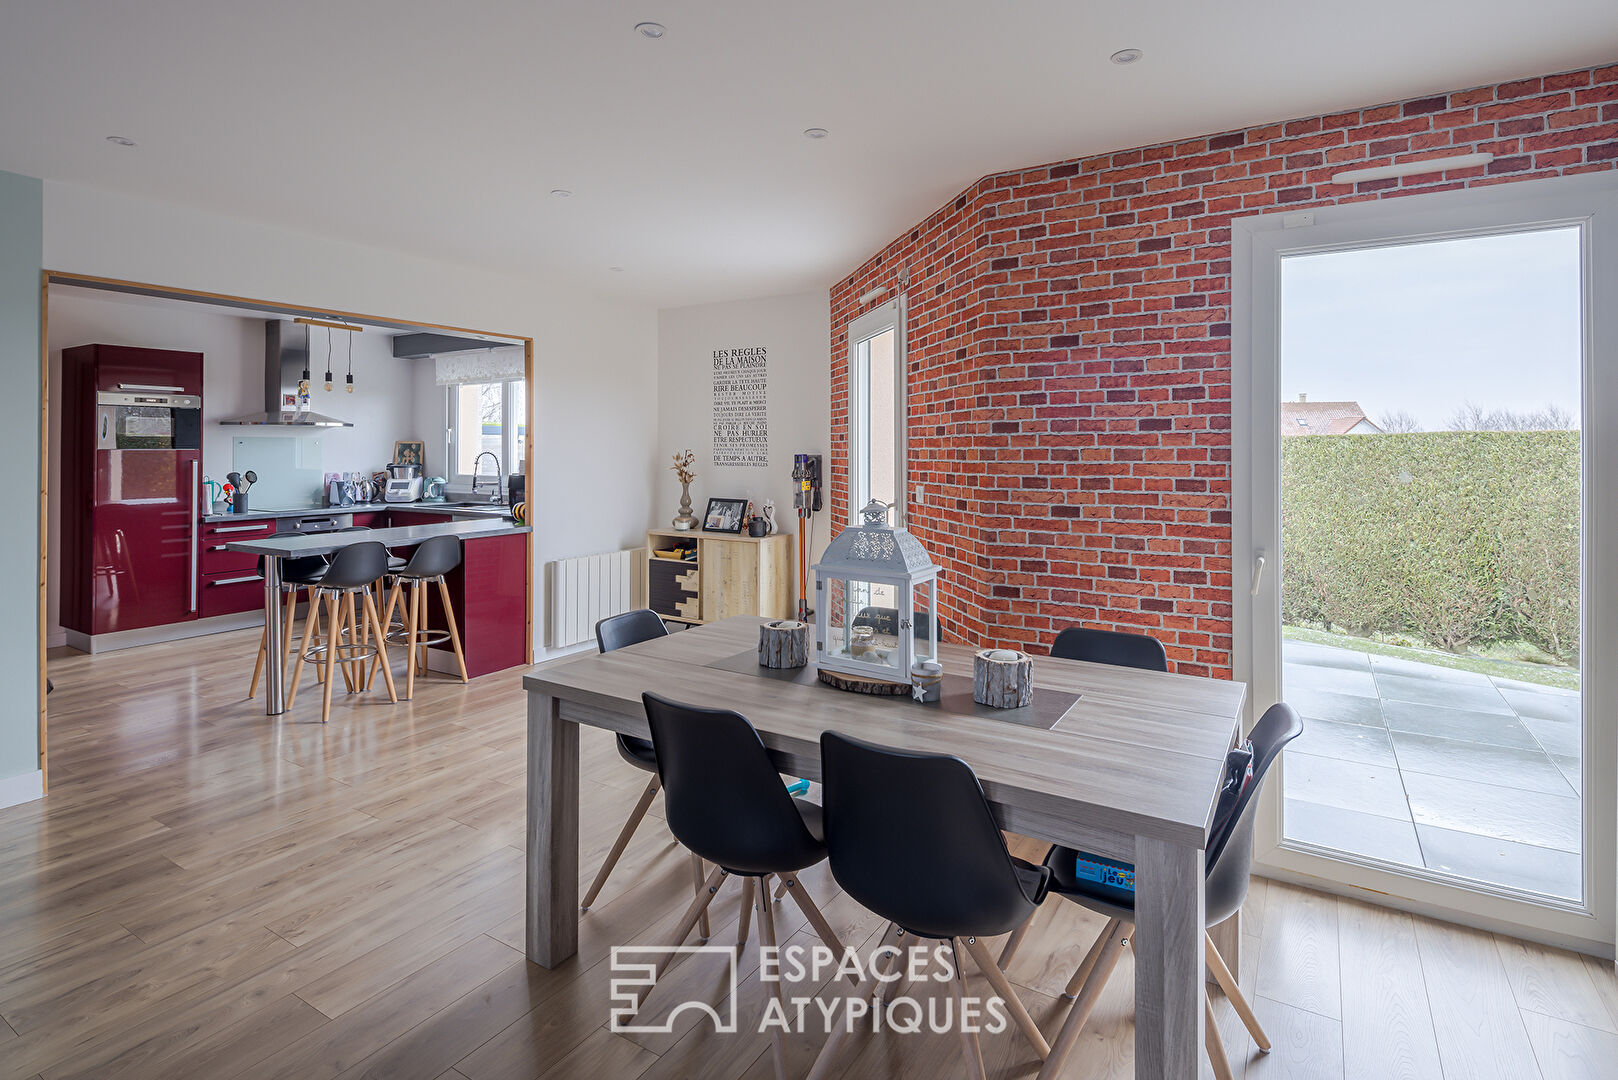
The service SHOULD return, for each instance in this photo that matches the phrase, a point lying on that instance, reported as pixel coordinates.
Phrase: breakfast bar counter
(492, 617)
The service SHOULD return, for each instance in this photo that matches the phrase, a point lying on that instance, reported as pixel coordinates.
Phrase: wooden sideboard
(732, 575)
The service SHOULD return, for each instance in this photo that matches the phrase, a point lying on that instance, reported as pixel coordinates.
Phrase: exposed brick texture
(1069, 352)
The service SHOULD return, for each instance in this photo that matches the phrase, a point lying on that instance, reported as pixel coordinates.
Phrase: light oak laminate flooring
(211, 893)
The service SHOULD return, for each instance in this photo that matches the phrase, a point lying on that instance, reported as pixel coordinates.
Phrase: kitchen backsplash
(290, 470)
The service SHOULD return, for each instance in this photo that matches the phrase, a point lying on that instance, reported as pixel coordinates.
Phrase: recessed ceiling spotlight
(1127, 56)
(119, 140)
(561, 193)
(815, 133)
(651, 30)
(616, 269)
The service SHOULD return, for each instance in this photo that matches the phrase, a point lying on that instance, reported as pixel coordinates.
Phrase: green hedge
(1461, 538)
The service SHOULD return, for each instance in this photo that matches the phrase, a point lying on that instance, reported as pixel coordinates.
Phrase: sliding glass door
(1421, 531)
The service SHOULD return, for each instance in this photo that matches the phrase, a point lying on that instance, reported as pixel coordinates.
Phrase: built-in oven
(148, 420)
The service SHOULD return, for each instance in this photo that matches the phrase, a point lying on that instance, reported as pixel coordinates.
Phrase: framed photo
(413, 452)
(725, 515)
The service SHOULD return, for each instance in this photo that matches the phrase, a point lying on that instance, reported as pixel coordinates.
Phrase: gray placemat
(1048, 708)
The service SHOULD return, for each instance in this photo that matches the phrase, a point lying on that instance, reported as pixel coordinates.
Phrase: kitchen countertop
(477, 510)
(293, 545)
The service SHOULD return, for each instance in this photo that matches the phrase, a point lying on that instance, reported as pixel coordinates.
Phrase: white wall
(795, 331)
(20, 218)
(596, 363)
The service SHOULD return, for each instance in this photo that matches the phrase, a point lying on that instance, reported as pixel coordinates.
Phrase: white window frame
(510, 419)
(1258, 244)
(884, 317)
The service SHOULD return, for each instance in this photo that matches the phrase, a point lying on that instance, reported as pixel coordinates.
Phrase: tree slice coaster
(860, 684)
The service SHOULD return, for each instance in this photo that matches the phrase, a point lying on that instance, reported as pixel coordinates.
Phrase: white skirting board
(25, 787)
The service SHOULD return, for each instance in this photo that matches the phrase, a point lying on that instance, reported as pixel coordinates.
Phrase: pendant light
(350, 362)
(328, 359)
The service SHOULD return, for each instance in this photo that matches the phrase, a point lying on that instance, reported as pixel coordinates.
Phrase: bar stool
(433, 558)
(296, 574)
(351, 574)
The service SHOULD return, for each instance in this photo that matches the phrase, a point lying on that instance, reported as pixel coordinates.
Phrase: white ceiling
(439, 128)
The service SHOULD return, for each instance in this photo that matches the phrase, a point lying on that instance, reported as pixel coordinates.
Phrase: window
(486, 417)
(876, 403)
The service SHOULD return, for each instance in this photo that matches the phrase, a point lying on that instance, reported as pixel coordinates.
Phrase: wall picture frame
(725, 516)
(410, 452)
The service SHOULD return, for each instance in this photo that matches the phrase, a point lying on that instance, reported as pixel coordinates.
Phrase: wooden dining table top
(1140, 753)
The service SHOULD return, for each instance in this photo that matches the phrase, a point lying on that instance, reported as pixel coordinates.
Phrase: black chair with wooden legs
(1110, 647)
(296, 575)
(619, 632)
(1103, 886)
(724, 800)
(346, 587)
(432, 560)
(912, 838)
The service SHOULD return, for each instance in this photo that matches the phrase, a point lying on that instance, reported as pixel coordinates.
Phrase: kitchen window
(486, 417)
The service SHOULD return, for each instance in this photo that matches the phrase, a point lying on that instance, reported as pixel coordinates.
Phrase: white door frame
(869, 325)
(1257, 245)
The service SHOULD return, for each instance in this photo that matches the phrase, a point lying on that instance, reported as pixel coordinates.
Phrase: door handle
(1258, 575)
(150, 389)
(195, 525)
(236, 580)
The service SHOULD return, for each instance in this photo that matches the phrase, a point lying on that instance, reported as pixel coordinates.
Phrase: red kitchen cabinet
(490, 594)
(128, 369)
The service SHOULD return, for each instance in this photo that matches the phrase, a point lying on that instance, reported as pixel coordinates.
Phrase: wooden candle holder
(1002, 679)
(783, 643)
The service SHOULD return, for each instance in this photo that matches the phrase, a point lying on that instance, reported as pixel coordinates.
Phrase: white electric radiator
(589, 588)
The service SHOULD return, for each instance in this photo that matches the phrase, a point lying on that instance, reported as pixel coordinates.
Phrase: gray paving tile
(1388, 839)
(1527, 817)
(1433, 691)
(1571, 770)
(1325, 705)
(1346, 742)
(1557, 736)
(1348, 785)
(1492, 728)
(1531, 687)
(1392, 665)
(1502, 862)
(1542, 706)
(1336, 679)
(1503, 766)
(1307, 652)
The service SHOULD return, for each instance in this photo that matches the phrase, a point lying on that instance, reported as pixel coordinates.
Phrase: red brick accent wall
(1069, 352)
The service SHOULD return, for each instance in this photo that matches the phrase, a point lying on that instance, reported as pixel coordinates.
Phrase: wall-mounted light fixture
(1412, 168)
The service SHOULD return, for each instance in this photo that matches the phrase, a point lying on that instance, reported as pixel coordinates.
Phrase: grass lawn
(1563, 678)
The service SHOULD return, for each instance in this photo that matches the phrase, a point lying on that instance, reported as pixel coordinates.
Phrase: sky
(1427, 327)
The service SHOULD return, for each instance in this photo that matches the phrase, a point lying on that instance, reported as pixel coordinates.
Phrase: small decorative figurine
(769, 517)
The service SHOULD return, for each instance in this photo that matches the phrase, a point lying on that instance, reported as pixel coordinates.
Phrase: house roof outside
(1304, 417)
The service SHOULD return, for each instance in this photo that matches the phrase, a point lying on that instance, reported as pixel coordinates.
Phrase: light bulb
(328, 382)
(350, 382)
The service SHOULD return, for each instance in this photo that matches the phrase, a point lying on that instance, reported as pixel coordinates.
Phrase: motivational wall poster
(741, 428)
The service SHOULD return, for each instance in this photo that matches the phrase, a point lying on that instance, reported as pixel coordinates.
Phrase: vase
(685, 519)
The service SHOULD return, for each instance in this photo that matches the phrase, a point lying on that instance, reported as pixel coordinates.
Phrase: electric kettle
(433, 489)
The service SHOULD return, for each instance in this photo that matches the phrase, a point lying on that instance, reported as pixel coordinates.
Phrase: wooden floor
(208, 893)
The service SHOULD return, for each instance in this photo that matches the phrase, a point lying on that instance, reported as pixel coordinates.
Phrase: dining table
(1117, 762)
(298, 545)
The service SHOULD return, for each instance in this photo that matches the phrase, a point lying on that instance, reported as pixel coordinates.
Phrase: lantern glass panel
(924, 621)
(868, 629)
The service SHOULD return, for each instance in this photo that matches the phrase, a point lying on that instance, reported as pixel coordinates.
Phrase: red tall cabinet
(131, 452)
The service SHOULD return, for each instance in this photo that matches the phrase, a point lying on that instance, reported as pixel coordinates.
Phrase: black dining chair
(724, 800)
(1110, 647)
(912, 838)
(1106, 887)
(350, 611)
(619, 632)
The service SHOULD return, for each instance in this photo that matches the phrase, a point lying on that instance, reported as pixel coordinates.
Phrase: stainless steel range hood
(286, 358)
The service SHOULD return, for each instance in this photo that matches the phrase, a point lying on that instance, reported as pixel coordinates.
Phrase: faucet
(477, 478)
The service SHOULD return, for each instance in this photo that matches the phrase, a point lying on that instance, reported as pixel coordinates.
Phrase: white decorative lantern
(876, 601)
